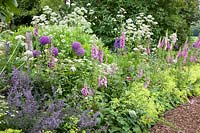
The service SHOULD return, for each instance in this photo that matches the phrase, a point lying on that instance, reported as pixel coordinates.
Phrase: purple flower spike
(95, 52)
(45, 40)
(76, 46)
(36, 31)
(36, 53)
(101, 56)
(80, 52)
(54, 51)
(122, 40)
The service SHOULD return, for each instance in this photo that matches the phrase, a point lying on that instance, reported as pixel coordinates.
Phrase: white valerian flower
(173, 38)
(73, 68)
(135, 49)
(28, 53)
(20, 37)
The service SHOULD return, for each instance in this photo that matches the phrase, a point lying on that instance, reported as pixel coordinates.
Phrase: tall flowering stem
(122, 40)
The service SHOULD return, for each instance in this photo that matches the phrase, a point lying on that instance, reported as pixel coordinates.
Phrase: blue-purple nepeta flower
(80, 52)
(36, 53)
(76, 46)
(45, 40)
(54, 51)
(117, 43)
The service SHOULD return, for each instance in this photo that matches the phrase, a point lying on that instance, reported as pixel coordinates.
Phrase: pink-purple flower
(122, 40)
(101, 56)
(102, 81)
(95, 52)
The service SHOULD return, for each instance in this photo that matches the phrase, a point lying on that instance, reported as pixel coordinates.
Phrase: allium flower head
(80, 52)
(54, 51)
(76, 46)
(45, 40)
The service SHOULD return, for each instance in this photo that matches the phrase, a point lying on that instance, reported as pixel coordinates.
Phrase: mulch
(183, 119)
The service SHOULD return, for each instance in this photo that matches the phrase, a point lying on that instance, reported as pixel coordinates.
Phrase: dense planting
(57, 76)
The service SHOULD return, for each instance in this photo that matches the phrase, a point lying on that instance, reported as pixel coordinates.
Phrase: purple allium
(122, 40)
(101, 56)
(95, 52)
(54, 51)
(36, 53)
(45, 40)
(80, 52)
(76, 46)
(85, 91)
(117, 43)
(102, 82)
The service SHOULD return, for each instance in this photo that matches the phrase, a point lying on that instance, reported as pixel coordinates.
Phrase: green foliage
(27, 9)
(56, 5)
(171, 15)
(7, 8)
(11, 131)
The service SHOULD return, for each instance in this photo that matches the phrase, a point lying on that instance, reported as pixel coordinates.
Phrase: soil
(184, 119)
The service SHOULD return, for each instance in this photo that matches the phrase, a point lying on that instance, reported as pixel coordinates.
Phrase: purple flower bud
(85, 91)
(76, 46)
(140, 73)
(45, 40)
(54, 51)
(80, 52)
(36, 53)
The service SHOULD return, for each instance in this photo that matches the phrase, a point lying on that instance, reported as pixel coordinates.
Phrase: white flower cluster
(141, 28)
(173, 38)
(48, 17)
(76, 18)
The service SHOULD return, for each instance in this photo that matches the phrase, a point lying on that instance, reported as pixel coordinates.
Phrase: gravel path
(183, 119)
